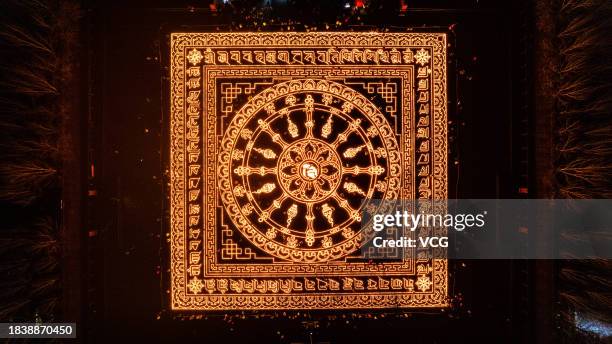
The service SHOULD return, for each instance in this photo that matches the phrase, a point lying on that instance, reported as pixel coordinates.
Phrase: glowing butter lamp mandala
(279, 141)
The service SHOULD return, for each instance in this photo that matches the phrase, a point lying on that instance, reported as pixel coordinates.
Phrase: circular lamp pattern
(298, 164)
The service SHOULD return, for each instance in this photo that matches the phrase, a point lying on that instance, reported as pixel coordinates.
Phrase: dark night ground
(129, 60)
(83, 178)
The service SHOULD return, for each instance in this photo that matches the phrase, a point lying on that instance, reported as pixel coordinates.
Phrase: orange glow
(278, 142)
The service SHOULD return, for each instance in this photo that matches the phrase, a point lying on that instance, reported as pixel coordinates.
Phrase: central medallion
(309, 170)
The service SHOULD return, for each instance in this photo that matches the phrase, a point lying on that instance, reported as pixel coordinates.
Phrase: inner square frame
(198, 281)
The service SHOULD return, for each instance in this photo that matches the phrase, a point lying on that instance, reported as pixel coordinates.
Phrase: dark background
(125, 61)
